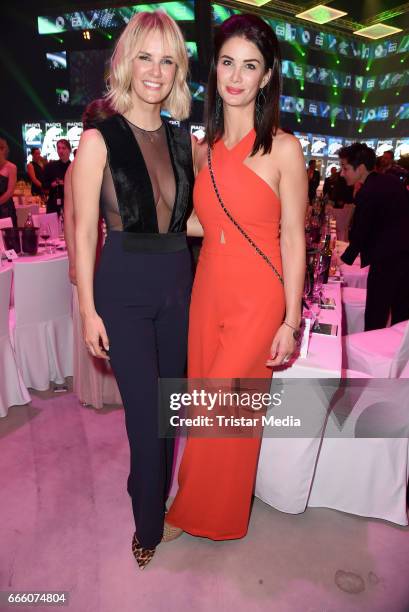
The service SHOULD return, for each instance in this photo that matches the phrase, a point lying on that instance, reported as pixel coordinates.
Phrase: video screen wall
(44, 135)
(325, 148)
(342, 80)
(314, 108)
(110, 17)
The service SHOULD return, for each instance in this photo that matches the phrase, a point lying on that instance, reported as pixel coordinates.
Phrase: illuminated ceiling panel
(254, 2)
(321, 14)
(378, 30)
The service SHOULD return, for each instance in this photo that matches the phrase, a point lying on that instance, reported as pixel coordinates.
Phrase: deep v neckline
(147, 175)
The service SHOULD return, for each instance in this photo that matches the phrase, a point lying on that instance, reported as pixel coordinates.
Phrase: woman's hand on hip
(283, 347)
(95, 336)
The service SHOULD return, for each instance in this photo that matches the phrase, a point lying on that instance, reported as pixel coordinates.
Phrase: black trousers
(143, 299)
(387, 292)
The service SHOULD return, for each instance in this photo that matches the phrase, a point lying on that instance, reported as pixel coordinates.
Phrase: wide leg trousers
(143, 299)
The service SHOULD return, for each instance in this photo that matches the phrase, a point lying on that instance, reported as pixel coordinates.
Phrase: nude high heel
(170, 532)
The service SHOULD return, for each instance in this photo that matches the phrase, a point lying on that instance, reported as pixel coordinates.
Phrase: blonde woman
(138, 170)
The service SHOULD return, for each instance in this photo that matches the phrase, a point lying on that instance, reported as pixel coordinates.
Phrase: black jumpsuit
(142, 292)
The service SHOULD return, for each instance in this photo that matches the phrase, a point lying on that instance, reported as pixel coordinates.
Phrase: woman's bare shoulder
(92, 136)
(285, 146)
(285, 139)
(92, 147)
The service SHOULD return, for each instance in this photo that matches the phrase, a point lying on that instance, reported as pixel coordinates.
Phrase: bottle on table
(29, 221)
(325, 258)
(29, 236)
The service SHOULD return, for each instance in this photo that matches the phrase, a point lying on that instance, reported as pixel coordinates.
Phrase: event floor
(65, 522)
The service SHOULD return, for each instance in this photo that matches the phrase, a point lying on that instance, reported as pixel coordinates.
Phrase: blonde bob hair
(129, 43)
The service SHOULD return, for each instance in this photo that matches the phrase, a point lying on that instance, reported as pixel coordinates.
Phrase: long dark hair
(266, 121)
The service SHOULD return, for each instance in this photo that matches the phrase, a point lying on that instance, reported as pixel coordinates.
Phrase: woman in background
(8, 178)
(35, 171)
(250, 197)
(139, 169)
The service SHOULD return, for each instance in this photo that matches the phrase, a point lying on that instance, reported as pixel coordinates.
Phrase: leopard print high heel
(142, 555)
(170, 532)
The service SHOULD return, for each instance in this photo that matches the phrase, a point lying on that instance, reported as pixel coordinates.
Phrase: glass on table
(311, 304)
(45, 233)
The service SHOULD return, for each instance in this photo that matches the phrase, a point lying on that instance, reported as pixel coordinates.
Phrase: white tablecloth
(286, 465)
(41, 320)
(361, 476)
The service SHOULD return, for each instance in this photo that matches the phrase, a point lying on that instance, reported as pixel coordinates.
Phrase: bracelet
(296, 330)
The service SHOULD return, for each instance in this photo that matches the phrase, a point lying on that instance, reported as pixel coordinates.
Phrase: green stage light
(367, 68)
(402, 60)
(377, 30)
(363, 100)
(393, 126)
(332, 125)
(397, 93)
(360, 130)
(109, 36)
(338, 61)
(321, 14)
(298, 119)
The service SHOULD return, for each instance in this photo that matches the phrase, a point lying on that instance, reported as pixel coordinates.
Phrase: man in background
(330, 184)
(337, 190)
(389, 166)
(379, 233)
(313, 180)
(53, 177)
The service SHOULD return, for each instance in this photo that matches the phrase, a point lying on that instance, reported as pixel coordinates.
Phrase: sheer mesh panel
(154, 148)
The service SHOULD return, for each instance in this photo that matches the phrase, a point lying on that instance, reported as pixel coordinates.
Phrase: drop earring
(218, 110)
(260, 102)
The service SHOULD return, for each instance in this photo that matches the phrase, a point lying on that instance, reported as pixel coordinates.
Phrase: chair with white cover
(353, 309)
(51, 219)
(43, 333)
(13, 391)
(381, 353)
(363, 466)
(6, 222)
